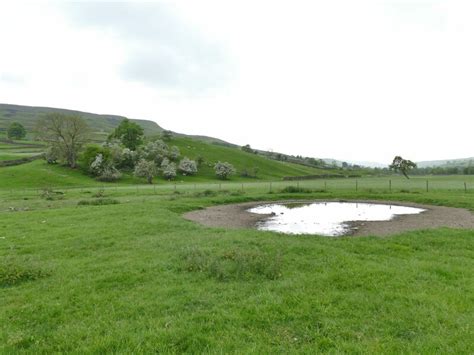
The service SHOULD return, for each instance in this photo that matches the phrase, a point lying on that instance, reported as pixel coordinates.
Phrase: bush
(109, 174)
(16, 131)
(174, 153)
(104, 170)
(295, 189)
(187, 166)
(52, 155)
(250, 173)
(98, 202)
(224, 170)
(155, 151)
(146, 169)
(169, 171)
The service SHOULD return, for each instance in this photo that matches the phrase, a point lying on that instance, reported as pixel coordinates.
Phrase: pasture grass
(137, 277)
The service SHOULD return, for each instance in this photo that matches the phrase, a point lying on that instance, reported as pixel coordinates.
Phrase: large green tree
(402, 165)
(16, 131)
(129, 133)
(65, 133)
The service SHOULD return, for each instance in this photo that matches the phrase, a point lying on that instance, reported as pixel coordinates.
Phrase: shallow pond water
(325, 218)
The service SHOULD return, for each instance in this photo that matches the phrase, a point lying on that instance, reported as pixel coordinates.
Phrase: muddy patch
(238, 216)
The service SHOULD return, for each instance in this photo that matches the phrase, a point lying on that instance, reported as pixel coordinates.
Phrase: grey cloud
(162, 50)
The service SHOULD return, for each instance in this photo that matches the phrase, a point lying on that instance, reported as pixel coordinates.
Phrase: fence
(367, 185)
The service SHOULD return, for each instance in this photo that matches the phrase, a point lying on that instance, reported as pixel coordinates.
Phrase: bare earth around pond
(236, 216)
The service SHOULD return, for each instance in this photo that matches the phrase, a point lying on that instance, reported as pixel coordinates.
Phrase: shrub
(128, 159)
(187, 166)
(146, 169)
(169, 171)
(16, 131)
(98, 202)
(250, 173)
(174, 153)
(155, 151)
(52, 155)
(224, 170)
(109, 174)
(295, 189)
(104, 170)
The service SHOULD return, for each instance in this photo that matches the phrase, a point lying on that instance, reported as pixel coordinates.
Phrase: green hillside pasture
(212, 153)
(136, 277)
(19, 149)
(101, 125)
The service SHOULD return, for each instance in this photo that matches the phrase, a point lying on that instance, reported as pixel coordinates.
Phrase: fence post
(427, 187)
(270, 186)
(357, 185)
(390, 185)
(242, 187)
(465, 187)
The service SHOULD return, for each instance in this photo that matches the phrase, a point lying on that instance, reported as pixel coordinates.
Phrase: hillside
(452, 163)
(101, 125)
(249, 166)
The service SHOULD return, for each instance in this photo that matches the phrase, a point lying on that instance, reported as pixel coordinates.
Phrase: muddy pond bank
(237, 216)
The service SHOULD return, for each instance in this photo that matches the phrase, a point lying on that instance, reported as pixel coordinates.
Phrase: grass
(137, 277)
(18, 150)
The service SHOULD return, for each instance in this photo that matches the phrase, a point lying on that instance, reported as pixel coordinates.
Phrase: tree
(174, 153)
(402, 165)
(247, 148)
(199, 160)
(187, 166)
(224, 170)
(16, 131)
(129, 133)
(146, 169)
(166, 135)
(65, 133)
(103, 169)
(169, 171)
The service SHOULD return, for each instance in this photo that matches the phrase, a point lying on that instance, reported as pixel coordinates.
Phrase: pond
(326, 218)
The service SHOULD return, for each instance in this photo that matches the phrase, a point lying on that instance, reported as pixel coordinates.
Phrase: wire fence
(385, 185)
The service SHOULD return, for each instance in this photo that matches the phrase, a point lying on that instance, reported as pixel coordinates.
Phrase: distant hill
(101, 125)
(451, 163)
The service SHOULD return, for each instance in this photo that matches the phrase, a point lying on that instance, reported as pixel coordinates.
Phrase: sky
(351, 80)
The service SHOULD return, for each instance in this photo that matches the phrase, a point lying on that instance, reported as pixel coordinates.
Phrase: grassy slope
(19, 149)
(101, 125)
(268, 169)
(120, 278)
(38, 174)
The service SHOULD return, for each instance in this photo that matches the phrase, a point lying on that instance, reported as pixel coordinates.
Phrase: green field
(134, 276)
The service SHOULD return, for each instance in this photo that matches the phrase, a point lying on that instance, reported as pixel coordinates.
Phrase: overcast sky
(352, 80)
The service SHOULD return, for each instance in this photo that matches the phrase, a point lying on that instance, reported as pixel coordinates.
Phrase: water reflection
(325, 218)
